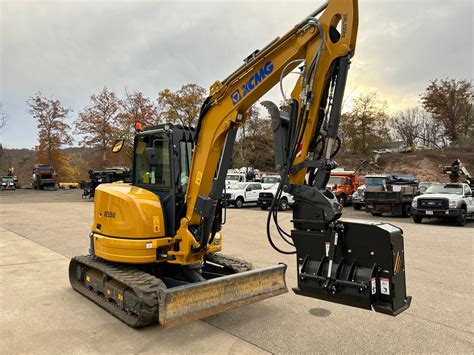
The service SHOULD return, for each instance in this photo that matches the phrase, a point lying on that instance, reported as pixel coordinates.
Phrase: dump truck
(394, 197)
(44, 177)
(343, 183)
(372, 181)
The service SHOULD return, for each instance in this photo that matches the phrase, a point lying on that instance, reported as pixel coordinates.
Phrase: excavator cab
(161, 164)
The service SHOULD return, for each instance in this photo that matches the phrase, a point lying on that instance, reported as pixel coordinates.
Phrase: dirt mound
(424, 164)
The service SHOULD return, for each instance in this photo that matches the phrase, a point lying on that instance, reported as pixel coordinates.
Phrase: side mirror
(118, 145)
(249, 189)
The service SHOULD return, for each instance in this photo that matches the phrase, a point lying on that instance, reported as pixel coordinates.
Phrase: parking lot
(39, 312)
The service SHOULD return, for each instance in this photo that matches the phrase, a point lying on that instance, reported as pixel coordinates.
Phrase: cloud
(70, 50)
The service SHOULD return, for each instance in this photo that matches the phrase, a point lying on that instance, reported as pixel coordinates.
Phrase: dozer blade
(194, 301)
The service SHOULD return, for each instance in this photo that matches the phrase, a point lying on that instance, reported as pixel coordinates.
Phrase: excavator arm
(316, 45)
(345, 262)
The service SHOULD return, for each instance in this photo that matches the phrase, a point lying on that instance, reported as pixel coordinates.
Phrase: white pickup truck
(451, 201)
(265, 198)
(242, 192)
(232, 178)
(269, 180)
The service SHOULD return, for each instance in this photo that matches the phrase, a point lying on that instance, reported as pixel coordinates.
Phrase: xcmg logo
(252, 83)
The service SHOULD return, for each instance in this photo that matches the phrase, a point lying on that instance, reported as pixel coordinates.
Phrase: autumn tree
(79, 170)
(365, 127)
(450, 103)
(136, 107)
(99, 122)
(53, 130)
(182, 106)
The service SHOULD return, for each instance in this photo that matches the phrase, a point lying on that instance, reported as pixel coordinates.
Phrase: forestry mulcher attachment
(108, 175)
(155, 243)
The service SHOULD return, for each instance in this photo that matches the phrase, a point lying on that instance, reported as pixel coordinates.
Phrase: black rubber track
(145, 286)
(234, 264)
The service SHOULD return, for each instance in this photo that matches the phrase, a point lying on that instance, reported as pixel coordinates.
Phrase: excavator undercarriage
(139, 296)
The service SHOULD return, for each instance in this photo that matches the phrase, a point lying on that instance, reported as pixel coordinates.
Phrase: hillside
(23, 160)
(424, 164)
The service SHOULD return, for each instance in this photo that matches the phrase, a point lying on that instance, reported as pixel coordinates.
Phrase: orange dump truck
(343, 184)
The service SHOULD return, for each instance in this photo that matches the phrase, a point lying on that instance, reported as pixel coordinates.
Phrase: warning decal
(373, 285)
(389, 228)
(156, 224)
(327, 248)
(397, 264)
(384, 286)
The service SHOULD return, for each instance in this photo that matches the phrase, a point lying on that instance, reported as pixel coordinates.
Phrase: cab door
(469, 199)
(252, 192)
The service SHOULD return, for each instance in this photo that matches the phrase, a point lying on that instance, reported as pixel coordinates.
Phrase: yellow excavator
(155, 243)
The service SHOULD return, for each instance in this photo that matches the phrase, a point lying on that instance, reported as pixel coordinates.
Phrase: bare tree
(414, 126)
(365, 126)
(406, 126)
(3, 116)
(431, 131)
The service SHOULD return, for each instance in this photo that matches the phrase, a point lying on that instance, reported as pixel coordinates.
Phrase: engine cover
(126, 211)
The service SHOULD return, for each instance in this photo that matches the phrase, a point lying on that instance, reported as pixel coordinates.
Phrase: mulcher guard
(355, 264)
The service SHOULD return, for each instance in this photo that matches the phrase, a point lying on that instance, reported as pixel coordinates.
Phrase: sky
(70, 50)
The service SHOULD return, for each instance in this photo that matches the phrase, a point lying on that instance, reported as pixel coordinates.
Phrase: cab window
(152, 160)
(185, 153)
